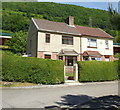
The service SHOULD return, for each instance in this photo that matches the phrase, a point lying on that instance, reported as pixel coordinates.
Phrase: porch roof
(67, 52)
(92, 53)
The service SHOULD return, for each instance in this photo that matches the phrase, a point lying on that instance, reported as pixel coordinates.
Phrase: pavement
(63, 95)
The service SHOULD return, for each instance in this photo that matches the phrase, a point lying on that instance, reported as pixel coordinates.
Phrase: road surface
(62, 96)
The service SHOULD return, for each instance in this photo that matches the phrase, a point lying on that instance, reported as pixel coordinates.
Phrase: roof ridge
(50, 21)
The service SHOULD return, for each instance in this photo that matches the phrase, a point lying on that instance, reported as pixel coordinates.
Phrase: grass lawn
(15, 84)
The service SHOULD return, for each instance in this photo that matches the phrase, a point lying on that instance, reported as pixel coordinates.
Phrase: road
(62, 96)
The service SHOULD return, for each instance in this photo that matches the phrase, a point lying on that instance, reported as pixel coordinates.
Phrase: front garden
(34, 70)
(45, 71)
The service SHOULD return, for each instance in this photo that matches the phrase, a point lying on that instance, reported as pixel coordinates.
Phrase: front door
(70, 60)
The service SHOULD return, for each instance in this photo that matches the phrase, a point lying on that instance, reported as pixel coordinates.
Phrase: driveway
(58, 96)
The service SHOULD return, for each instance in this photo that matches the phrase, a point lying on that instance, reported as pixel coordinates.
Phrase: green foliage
(115, 20)
(35, 70)
(23, 11)
(117, 55)
(114, 17)
(18, 42)
(115, 34)
(16, 16)
(97, 71)
(14, 21)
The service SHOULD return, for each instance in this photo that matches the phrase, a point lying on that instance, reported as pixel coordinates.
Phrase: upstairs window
(92, 43)
(67, 40)
(106, 44)
(47, 39)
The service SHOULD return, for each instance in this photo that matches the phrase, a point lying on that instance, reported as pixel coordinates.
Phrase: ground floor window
(60, 57)
(98, 59)
(47, 56)
(85, 58)
(70, 60)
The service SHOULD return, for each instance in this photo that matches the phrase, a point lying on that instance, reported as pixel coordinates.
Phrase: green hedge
(97, 71)
(29, 69)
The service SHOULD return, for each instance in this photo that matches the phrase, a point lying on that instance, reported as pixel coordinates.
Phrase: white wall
(55, 44)
(100, 46)
(32, 35)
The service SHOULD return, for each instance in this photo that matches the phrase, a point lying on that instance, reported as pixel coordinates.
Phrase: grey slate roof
(94, 32)
(55, 27)
(50, 26)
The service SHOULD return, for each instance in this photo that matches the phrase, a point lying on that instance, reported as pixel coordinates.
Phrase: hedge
(97, 71)
(29, 69)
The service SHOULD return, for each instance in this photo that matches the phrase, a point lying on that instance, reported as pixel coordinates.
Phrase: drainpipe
(80, 46)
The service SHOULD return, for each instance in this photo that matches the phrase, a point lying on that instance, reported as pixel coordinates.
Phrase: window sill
(67, 45)
(47, 43)
(91, 47)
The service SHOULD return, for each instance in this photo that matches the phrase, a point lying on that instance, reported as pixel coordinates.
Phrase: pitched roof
(55, 26)
(92, 53)
(94, 32)
(50, 26)
(68, 52)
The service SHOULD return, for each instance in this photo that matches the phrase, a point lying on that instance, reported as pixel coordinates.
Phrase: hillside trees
(115, 21)
(18, 42)
(54, 12)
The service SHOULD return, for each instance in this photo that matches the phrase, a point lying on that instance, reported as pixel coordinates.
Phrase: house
(68, 42)
(4, 37)
(116, 48)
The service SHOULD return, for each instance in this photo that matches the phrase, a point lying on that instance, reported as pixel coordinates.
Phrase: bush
(18, 42)
(35, 70)
(97, 71)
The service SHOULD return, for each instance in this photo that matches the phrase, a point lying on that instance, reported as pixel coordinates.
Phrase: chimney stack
(71, 20)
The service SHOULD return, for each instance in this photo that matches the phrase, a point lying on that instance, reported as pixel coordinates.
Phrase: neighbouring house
(68, 42)
(116, 48)
(4, 37)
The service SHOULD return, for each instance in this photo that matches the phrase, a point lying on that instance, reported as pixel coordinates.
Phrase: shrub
(29, 69)
(97, 71)
(18, 42)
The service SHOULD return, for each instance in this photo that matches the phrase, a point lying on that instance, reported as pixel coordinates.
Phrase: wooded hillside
(16, 16)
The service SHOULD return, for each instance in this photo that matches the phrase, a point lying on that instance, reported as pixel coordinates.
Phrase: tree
(18, 42)
(114, 17)
(115, 21)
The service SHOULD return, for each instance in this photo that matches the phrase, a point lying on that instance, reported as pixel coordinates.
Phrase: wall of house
(100, 46)
(55, 44)
(32, 40)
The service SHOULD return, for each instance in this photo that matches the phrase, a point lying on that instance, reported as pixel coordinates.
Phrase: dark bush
(97, 71)
(35, 70)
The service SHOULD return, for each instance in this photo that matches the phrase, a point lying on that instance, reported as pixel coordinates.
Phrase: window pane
(67, 40)
(47, 38)
(47, 56)
(92, 42)
(106, 44)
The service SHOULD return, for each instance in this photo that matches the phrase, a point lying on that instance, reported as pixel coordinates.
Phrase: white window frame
(106, 44)
(92, 42)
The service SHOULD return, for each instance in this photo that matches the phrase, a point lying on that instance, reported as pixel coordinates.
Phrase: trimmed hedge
(97, 71)
(29, 69)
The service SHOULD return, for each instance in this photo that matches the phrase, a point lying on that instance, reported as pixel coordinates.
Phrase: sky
(98, 4)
